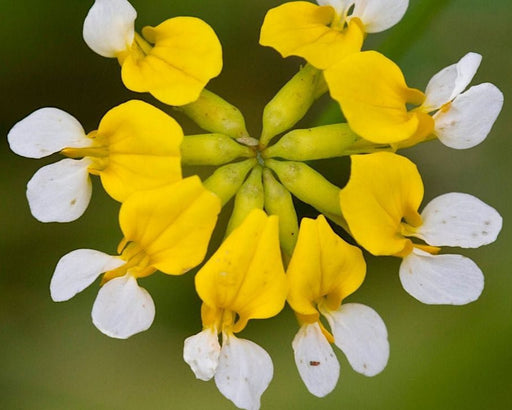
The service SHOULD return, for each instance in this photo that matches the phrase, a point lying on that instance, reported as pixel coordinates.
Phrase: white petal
(46, 131)
(201, 353)
(122, 308)
(316, 362)
(60, 192)
(77, 270)
(451, 81)
(470, 117)
(441, 279)
(457, 219)
(362, 336)
(109, 27)
(244, 372)
(339, 5)
(379, 15)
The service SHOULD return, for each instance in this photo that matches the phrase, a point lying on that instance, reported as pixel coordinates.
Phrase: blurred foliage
(53, 357)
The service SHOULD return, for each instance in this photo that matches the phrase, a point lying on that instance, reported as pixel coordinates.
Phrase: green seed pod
(250, 196)
(214, 114)
(226, 180)
(327, 141)
(278, 201)
(290, 104)
(212, 149)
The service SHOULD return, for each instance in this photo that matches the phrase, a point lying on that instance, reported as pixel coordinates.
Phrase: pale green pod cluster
(278, 201)
(213, 113)
(250, 196)
(300, 179)
(327, 141)
(228, 179)
(291, 103)
(212, 149)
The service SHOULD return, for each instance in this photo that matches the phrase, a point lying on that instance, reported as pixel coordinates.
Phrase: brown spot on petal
(314, 363)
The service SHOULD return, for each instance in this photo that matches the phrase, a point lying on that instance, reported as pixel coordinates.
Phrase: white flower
(358, 331)
(453, 219)
(58, 192)
(121, 309)
(463, 119)
(242, 369)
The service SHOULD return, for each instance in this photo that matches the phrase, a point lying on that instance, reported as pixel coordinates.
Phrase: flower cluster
(270, 255)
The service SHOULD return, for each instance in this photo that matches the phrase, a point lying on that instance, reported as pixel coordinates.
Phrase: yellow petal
(185, 56)
(143, 145)
(172, 224)
(323, 269)
(373, 96)
(246, 275)
(303, 29)
(383, 189)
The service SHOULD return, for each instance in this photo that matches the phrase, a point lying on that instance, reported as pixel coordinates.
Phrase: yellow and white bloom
(243, 280)
(166, 229)
(136, 147)
(173, 61)
(380, 204)
(324, 34)
(323, 271)
(374, 98)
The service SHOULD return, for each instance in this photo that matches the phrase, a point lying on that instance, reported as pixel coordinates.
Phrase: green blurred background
(52, 357)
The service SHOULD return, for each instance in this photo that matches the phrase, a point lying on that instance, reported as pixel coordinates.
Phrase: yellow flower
(325, 34)
(173, 61)
(380, 204)
(136, 147)
(243, 280)
(375, 100)
(166, 229)
(323, 271)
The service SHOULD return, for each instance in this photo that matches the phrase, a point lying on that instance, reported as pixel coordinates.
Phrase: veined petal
(451, 81)
(173, 224)
(46, 131)
(201, 352)
(383, 188)
(109, 27)
(316, 362)
(186, 55)
(302, 29)
(244, 372)
(143, 146)
(441, 279)
(322, 265)
(457, 219)
(361, 334)
(122, 308)
(77, 270)
(246, 274)
(372, 92)
(469, 118)
(379, 15)
(60, 192)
